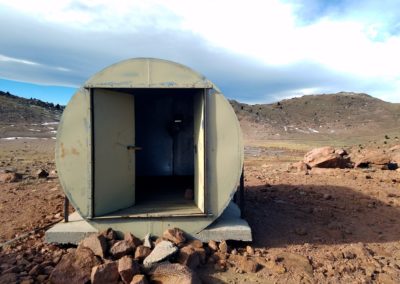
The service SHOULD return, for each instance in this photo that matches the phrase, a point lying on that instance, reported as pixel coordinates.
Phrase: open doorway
(165, 163)
(149, 152)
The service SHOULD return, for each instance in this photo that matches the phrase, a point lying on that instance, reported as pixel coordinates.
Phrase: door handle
(134, 148)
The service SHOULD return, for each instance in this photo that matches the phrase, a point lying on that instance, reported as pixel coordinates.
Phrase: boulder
(110, 234)
(147, 241)
(106, 273)
(139, 279)
(248, 265)
(142, 252)
(213, 245)
(300, 167)
(326, 157)
(173, 273)
(132, 239)
(371, 157)
(9, 177)
(162, 251)
(223, 247)
(121, 248)
(75, 267)
(97, 243)
(127, 268)
(189, 256)
(175, 235)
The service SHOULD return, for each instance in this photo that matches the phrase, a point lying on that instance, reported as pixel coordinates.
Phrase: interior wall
(164, 130)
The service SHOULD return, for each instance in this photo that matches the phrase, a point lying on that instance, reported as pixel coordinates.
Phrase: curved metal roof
(147, 73)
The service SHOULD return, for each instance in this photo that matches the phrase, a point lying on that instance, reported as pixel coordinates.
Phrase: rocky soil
(310, 225)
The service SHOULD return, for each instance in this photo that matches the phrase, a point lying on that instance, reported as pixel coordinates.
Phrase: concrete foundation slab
(71, 232)
(229, 226)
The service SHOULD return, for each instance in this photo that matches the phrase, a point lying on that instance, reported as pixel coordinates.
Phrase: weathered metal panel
(223, 148)
(114, 164)
(224, 152)
(73, 152)
(199, 150)
(147, 73)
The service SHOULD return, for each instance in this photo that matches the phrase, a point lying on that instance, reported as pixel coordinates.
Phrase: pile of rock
(329, 157)
(103, 258)
(324, 157)
(378, 158)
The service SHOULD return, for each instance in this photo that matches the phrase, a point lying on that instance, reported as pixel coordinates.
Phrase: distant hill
(327, 117)
(27, 117)
(319, 117)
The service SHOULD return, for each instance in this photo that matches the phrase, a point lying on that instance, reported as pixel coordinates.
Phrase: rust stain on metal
(62, 151)
(74, 151)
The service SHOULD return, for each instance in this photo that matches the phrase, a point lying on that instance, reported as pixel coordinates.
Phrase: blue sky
(255, 51)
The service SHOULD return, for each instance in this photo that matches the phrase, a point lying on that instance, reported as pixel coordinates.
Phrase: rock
(139, 279)
(173, 273)
(97, 243)
(223, 247)
(249, 250)
(174, 235)
(127, 268)
(213, 245)
(189, 195)
(132, 239)
(371, 157)
(327, 196)
(300, 167)
(106, 273)
(10, 177)
(75, 267)
(248, 265)
(41, 173)
(110, 234)
(142, 252)
(162, 251)
(325, 157)
(121, 248)
(147, 241)
(296, 262)
(340, 152)
(196, 243)
(202, 253)
(189, 256)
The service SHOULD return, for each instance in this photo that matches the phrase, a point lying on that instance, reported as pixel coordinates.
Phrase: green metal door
(114, 154)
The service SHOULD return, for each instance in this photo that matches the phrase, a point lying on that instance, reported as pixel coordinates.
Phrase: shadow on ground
(281, 215)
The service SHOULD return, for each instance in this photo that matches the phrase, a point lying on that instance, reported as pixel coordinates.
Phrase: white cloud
(267, 32)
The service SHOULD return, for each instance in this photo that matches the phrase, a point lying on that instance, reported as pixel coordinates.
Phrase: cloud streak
(263, 58)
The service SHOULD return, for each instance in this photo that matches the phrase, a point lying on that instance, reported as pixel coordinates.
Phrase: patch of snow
(15, 138)
(285, 127)
(50, 123)
(313, 130)
(332, 131)
(37, 130)
(301, 130)
(53, 131)
(53, 138)
(12, 125)
(51, 128)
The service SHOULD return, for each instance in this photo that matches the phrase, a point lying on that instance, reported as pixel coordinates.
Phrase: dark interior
(164, 129)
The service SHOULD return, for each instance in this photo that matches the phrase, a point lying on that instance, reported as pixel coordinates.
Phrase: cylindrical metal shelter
(148, 144)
